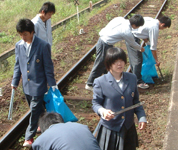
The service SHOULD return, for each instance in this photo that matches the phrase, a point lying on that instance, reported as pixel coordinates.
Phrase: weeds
(122, 5)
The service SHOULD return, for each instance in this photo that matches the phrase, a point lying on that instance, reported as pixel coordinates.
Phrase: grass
(28, 9)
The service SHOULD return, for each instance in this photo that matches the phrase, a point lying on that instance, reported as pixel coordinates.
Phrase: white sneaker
(143, 86)
(87, 87)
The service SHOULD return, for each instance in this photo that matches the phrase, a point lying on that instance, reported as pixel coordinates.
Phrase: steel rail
(71, 72)
(12, 135)
(10, 52)
(129, 68)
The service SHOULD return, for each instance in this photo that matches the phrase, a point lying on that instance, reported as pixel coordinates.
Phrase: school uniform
(150, 30)
(108, 94)
(34, 64)
(43, 30)
(66, 136)
(116, 30)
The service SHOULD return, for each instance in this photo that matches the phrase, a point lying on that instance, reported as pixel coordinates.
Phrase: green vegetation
(28, 9)
(16, 9)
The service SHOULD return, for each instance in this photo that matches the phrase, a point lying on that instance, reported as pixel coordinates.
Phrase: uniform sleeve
(36, 29)
(139, 111)
(48, 65)
(129, 38)
(17, 72)
(98, 98)
(153, 38)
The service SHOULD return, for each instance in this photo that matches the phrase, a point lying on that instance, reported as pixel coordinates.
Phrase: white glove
(101, 112)
(55, 87)
(106, 114)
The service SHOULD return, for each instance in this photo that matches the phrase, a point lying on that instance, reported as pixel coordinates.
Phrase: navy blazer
(107, 94)
(66, 136)
(36, 70)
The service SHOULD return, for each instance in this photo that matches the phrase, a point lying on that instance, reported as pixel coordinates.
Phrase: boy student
(148, 32)
(116, 30)
(58, 135)
(42, 22)
(34, 64)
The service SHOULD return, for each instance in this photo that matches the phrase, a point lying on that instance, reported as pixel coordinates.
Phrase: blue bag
(55, 103)
(148, 66)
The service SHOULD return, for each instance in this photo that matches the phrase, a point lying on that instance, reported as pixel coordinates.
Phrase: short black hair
(137, 20)
(25, 25)
(47, 119)
(48, 7)
(112, 55)
(166, 20)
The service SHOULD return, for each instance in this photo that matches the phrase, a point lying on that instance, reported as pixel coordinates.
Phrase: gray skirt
(112, 140)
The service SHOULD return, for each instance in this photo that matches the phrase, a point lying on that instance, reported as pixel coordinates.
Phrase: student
(116, 30)
(42, 22)
(57, 135)
(149, 33)
(34, 64)
(113, 92)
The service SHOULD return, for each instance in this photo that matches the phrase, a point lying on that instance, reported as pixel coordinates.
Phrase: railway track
(142, 7)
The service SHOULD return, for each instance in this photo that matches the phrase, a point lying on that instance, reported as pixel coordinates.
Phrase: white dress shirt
(116, 30)
(150, 30)
(43, 30)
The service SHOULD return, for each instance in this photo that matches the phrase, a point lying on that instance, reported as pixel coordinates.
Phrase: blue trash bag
(148, 66)
(55, 103)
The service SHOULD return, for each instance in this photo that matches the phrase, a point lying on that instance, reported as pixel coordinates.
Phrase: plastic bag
(148, 66)
(55, 103)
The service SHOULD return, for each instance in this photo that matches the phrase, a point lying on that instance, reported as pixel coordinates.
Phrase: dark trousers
(135, 61)
(36, 106)
(98, 67)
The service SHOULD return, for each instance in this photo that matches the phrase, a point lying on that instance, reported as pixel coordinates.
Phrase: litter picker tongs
(11, 105)
(128, 108)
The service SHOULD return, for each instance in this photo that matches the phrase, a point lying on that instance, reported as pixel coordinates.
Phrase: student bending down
(113, 92)
(57, 135)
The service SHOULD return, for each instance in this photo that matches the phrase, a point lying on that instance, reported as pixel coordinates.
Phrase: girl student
(113, 92)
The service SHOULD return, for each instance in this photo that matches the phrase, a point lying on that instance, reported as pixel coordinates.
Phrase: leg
(36, 107)
(135, 60)
(98, 68)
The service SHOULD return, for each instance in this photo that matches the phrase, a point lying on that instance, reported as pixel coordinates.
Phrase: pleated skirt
(112, 140)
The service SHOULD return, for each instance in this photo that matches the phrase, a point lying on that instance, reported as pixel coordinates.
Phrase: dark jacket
(107, 94)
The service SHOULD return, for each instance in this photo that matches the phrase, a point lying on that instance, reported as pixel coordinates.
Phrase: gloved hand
(106, 114)
(54, 87)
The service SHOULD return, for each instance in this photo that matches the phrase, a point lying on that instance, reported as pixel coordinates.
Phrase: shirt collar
(120, 79)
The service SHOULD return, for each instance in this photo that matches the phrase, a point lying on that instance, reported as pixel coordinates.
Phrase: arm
(131, 41)
(48, 65)
(153, 38)
(139, 111)
(17, 72)
(155, 57)
(98, 100)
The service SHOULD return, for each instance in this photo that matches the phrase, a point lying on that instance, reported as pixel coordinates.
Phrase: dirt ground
(156, 97)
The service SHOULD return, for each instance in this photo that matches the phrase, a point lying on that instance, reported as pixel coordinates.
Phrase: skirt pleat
(112, 140)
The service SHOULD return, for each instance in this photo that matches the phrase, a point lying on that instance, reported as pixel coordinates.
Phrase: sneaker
(38, 130)
(28, 143)
(87, 87)
(143, 86)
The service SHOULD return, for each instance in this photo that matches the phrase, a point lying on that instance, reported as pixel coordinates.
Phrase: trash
(81, 31)
(148, 66)
(0, 91)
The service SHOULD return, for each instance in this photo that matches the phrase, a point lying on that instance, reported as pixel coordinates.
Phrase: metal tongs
(128, 108)
(11, 105)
